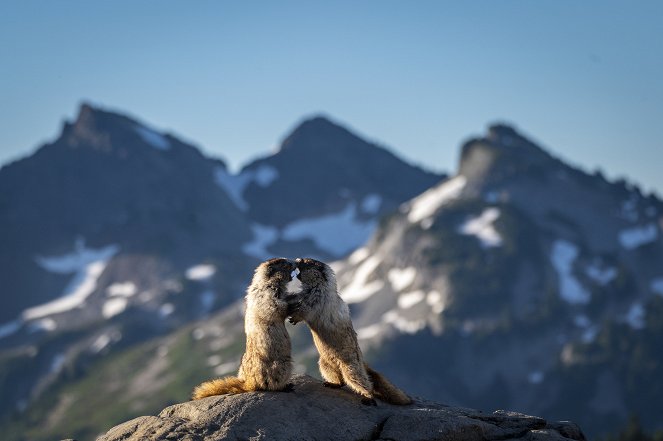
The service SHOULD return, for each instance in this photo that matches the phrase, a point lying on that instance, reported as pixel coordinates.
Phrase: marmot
(266, 364)
(328, 316)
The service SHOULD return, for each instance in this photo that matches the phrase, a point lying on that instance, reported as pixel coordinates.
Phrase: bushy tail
(386, 391)
(220, 386)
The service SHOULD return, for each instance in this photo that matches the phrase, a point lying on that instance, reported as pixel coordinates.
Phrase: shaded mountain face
(115, 234)
(337, 187)
(517, 277)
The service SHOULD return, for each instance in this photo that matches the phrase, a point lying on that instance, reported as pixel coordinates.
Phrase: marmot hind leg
(357, 379)
(331, 374)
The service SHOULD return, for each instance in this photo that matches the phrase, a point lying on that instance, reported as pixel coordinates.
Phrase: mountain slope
(337, 187)
(500, 273)
(115, 235)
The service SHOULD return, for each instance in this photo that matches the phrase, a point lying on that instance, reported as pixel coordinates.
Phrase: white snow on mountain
(46, 324)
(426, 204)
(632, 238)
(166, 309)
(336, 233)
(87, 263)
(402, 324)
(601, 274)
(359, 288)
(482, 228)
(370, 331)
(371, 203)
(7, 329)
(126, 289)
(437, 301)
(401, 278)
(156, 140)
(114, 306)
(263, 237)
(234, 185)
(100, 343)
(201, 272)
(635, 316)
(409, 299)
(535, 377)
(656, 285)
(265, 175)
(358, 256)
(563, 255)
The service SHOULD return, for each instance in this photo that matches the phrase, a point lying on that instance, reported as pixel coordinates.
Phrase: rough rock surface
(314, 412)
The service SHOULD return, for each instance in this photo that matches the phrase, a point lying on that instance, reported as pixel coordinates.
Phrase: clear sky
(584, 78)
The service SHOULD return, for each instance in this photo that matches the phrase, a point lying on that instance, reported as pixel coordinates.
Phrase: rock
(312, 411)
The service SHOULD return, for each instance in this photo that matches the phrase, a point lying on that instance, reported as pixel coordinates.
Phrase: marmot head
(313, 272)
(278, 271)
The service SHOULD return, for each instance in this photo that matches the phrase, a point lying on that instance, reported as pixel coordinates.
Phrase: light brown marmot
(266, 363)
(328, 316)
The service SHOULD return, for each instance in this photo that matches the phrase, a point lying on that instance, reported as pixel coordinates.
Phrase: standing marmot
(328, 316)
(266, 364)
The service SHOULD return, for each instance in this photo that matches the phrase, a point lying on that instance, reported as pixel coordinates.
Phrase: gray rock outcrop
(314, 412)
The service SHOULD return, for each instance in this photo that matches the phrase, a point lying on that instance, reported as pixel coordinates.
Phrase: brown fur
(341, 360)
(266, 363)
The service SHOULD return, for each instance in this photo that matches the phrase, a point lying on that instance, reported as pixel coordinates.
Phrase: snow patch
(401, 278)
(234, 185)
(358, 256)
(632, 238)
(10, 328)
(46, 324)
(207, 300)
(563, 255)
(200, 272)
(156, 140)
(403, 324)
(57, 363)
(100, 343)
(409, 299)
(166, 309)
(369, 332)
(225, 368)
(214, 360)
(371, 203)
(359, 289)
(114, 306)
(602, 275)
(336, 233)
(126, 289)
(535, 377)
(656, 285)
(437, 301)
(265, 175)
(635, 316)
(88, 264)
(426, 204)
(482, 227)
(263, 237)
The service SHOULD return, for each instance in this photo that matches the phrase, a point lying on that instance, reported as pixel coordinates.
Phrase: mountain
(337, 187)
(520, 277)
(116, 235)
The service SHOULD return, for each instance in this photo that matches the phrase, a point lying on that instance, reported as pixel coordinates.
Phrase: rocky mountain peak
(243, 417)
(102, 130)
(502, 153)
(319, 134)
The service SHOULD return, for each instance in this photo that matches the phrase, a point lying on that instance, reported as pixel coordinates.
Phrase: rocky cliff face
(312, 411)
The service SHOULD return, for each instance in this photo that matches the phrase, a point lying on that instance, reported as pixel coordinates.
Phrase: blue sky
(584, 78)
